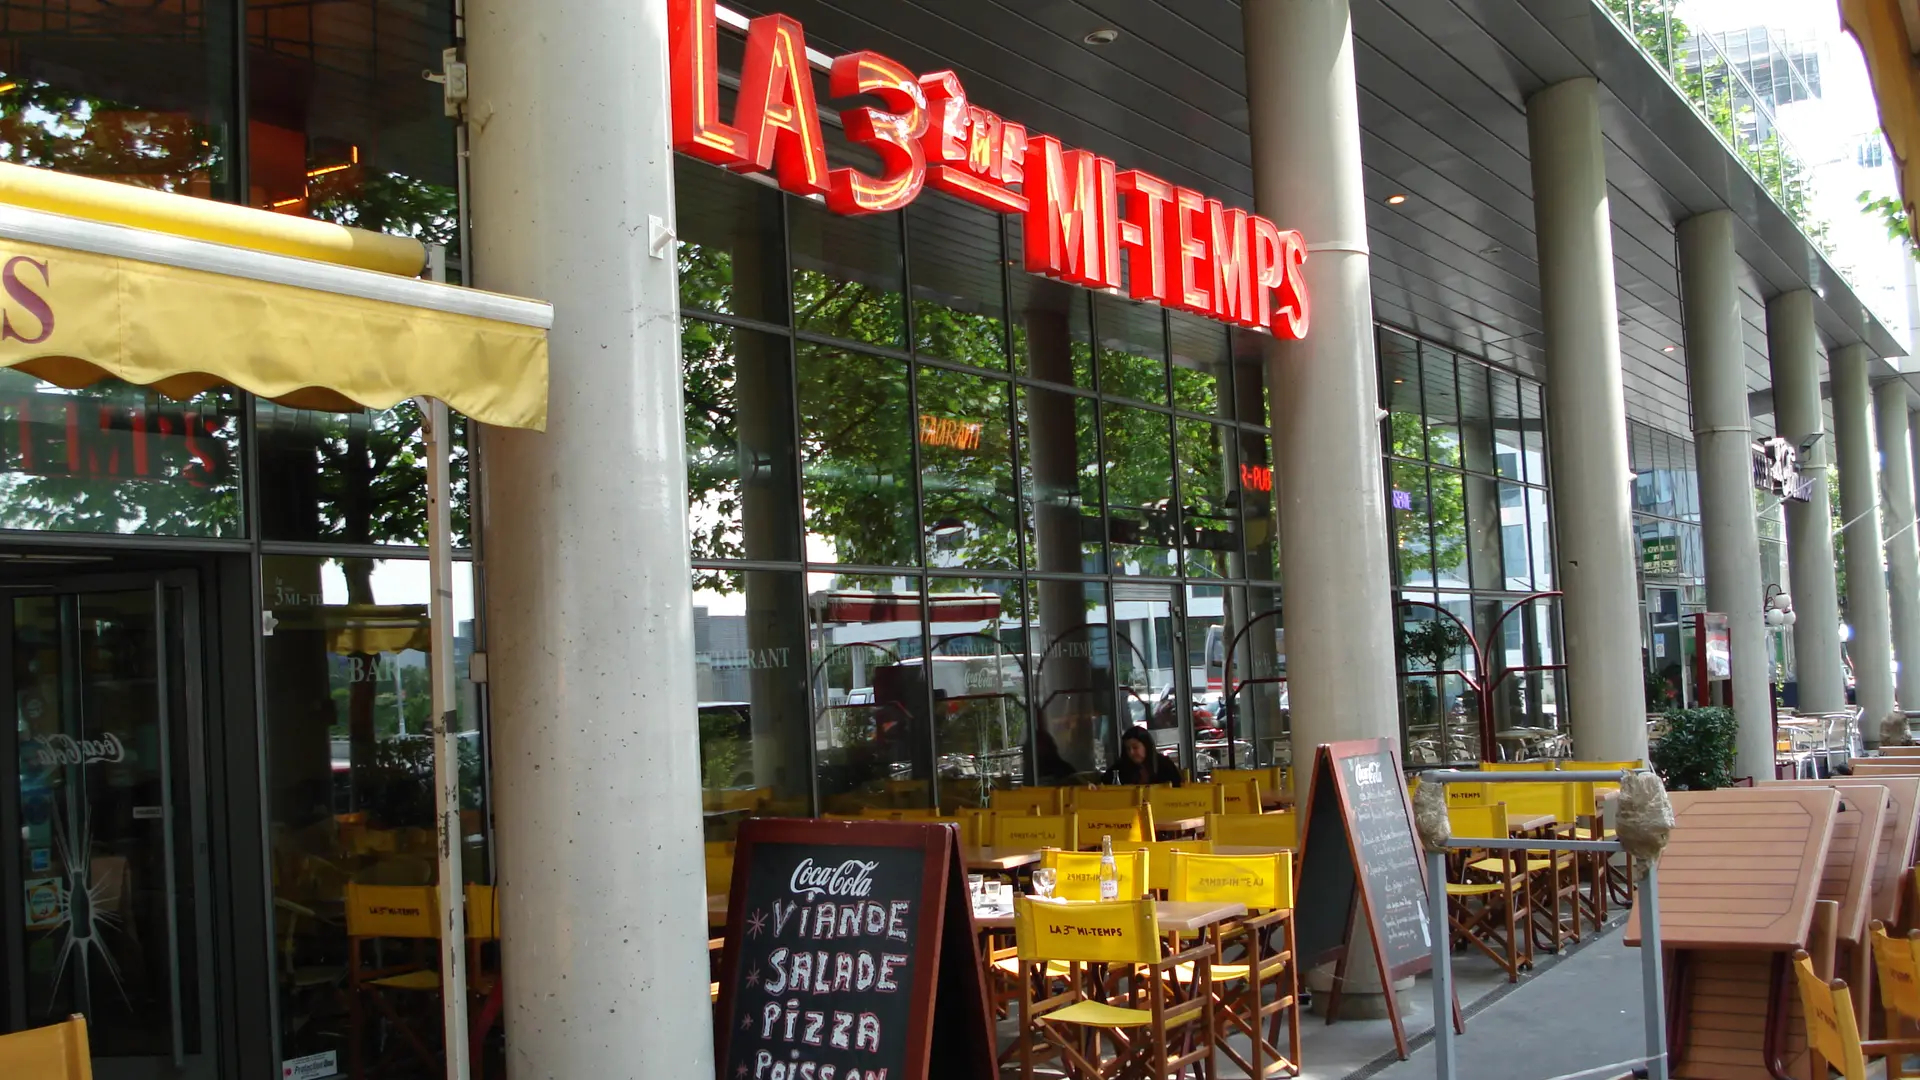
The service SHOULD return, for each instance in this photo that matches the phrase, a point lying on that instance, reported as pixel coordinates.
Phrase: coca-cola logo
(54, 750)
(850, 878)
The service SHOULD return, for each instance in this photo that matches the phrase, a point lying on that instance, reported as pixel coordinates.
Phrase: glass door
(1668, 673)
(107, 861)
(1151, 663)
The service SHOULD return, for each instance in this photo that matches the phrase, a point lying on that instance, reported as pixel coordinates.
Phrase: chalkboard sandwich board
(1359, 860)
(851, 955)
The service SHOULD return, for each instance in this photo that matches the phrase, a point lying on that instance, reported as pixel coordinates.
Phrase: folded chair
(1487, 908)
(55, 1052)
(1897, 975)
(1265, 961)
(1833, 1034)
(1158, 1027)
(405, 992)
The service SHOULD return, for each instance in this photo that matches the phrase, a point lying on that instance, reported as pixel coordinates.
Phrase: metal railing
(1712, 80)
(1652, 986)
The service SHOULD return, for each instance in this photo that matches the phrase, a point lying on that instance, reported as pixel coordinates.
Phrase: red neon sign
(1256, 477)
(1081, 213)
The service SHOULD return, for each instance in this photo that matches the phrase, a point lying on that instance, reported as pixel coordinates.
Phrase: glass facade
(1667, 542)
(957, 527)
(1472, 540)
(308, 109)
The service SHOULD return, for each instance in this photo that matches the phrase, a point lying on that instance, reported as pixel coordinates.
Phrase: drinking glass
(1043, 882)
(995, 896)
(974, 885)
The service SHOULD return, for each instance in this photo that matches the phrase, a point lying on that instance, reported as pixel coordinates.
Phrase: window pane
(118, 458)
(1252, 404)
(1209, 479)
(1400, 388)
(750, 673)
(979, 666)
(1483, 532)
(1542, 538)
(324, 142)
(349, 754)
(1508, 453)
(959, 307)
(856, 458)
(139, 95)
(1202, 367)
(1442, 406)
(1476, 416)
(1139, 466)
(1060, 473)
(731, 257)
(1408, 512)
(870, 693)
(1133, 349)
(1513, 538)
(1259, 519)
(1449, 529)
(740, 470)
(846, 274)
(358, 478)
(1255, 710)
(1072, 682)
(1052, 339)
(1534, 431)
(966, 470)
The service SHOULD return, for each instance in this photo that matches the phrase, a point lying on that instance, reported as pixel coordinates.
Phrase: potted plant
(1696, 753)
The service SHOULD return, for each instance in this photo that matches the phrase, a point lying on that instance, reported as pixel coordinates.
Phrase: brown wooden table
(1176, 827)
(989, 860)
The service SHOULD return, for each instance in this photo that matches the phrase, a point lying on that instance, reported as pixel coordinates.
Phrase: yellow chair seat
(1100, 1014)
(1494, 866)
(1228, 972)
(1056, 969)
(412, 980)
(1474, 890)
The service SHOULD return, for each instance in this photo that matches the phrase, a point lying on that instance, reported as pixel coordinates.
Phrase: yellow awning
(163, 307)
(1889, 34)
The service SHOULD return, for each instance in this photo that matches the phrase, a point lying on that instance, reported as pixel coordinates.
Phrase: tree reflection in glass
(966, 470)
(856, 458)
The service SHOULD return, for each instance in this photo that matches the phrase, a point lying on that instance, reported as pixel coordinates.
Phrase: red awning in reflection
(869, 607)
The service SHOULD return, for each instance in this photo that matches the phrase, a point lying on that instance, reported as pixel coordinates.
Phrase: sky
(1828, 134)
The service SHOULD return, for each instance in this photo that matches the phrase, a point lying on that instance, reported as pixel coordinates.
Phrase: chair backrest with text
(55, 1052)
(1110, 932)
(1160, 857)
(1478, 822)
(1033, 832)
(1192, 801)
(1077, 873)
(1261, 882)
(1112, 797)
(1832, 1032)
(1896, 962)
(1121, 823)
(1028, 800)
(1281, 830)
(1239, 796)
(392, 911)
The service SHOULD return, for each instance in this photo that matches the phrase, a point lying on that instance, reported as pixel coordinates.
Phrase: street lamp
(1779, 611)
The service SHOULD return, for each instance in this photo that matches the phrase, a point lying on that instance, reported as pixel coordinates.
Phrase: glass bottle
(1109, 871)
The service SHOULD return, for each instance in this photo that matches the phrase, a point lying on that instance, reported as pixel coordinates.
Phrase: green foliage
(1435, 641)
(1697, 752)
(1892, 214)
(1443, 503)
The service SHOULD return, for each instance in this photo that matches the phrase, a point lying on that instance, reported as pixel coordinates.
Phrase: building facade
(838, 510)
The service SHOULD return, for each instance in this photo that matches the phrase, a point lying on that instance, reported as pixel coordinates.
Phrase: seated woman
(1141, 762)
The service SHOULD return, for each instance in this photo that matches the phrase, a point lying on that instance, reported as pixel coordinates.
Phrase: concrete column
(1903, 552)
(595, 756)
(1723, 440)
(1794, 352)
(1305, 124)
(1592, 481)
(1871, 648)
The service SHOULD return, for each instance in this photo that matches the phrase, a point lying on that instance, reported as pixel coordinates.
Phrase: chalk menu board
(850, 951)
(1359, 860)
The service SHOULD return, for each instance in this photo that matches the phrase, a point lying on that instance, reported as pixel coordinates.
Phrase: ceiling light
(1103, 36)
(1397, 382)
(1396, 200)
(1667, 349)
(1494, 250)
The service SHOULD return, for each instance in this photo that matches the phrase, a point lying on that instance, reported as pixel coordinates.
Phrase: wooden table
(1182, 916)
(990, 860)
(1738, 882)
(1249, 849)
(1531, 823)
(1178, 826)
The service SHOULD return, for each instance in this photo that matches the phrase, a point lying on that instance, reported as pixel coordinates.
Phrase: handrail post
(1440, 941)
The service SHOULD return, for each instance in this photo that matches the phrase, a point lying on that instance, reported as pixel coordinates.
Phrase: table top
(1530, 823)
(1249, 849)
(989, 858)
(1184, 916)
(1743, 868)
(1188, 824)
